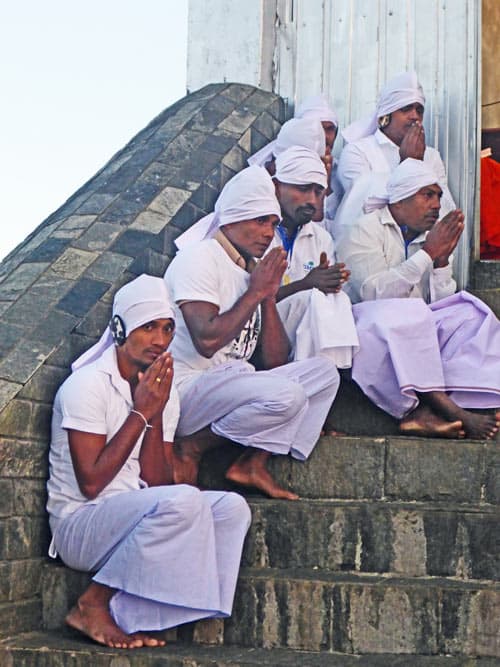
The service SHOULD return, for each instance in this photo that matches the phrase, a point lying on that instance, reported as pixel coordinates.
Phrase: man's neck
(291, 226)
(408, 233)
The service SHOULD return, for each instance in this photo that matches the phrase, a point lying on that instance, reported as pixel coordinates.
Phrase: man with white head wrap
(226, 312)
(377, 144)
(162, 554)
(423, 364)
(315, 311)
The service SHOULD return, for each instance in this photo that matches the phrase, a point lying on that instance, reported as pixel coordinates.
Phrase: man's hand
(265, 279)
(442, 239)
(328, 279)
(153, 389)
(413, 144)
(328, 162)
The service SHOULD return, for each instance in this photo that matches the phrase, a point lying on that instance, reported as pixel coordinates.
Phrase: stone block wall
(57, 287)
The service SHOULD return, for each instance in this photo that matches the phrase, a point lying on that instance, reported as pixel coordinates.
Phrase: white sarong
(172, 552)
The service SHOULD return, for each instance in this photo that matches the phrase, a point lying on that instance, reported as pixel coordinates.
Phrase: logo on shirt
(308, 266)
(243, 346)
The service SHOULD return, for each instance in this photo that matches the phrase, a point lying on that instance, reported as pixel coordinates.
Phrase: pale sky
(78, 79)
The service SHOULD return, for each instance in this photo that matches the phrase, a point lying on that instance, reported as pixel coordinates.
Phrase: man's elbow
(90, 491)
(207, 348)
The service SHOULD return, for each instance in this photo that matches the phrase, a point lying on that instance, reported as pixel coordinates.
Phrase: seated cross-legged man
(316, 313)
(227, 315)
(161, 554)
(424, 364)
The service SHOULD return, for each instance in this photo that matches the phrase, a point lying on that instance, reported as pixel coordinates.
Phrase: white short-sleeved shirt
(205, 272)
(95, 399)
(310, 242)
(373, 248)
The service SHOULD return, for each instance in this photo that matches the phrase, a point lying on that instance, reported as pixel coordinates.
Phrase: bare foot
(148, 640)
(250, 470)
(480, 427)
(187, 452)
(96, 622)
(422, 421)
(332, 433)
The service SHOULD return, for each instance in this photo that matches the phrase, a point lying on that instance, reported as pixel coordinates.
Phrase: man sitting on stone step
(423, 364)
(315, 311)
(227, 320)
(162, 554)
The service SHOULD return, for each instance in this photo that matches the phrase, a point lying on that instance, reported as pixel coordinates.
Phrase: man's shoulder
(194, 256)
(92, 377)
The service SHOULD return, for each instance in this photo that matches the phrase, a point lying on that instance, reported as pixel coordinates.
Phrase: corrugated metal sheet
(348, 49)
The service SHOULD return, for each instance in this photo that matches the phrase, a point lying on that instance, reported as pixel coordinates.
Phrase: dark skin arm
(442, 239)
(273, 346)
(96, 462)
(328, 279)
(210, 330)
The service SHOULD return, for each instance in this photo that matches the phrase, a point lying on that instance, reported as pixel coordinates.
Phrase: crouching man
(162, 554)
(227, 315)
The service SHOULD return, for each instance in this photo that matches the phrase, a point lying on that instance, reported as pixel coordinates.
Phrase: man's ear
(276, 187)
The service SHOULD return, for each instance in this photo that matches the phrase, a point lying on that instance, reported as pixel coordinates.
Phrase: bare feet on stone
(91, 617)
(250, 469)
(422, 421)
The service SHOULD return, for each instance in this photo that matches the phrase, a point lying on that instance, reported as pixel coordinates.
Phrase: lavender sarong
(406, 347)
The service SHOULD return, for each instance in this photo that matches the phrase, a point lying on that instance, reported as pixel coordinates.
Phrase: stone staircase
(391, 557)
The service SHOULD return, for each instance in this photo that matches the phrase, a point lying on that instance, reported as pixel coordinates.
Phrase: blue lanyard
(286, 240)
(407, 242)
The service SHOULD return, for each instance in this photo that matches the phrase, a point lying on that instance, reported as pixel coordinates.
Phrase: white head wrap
(140, 301)
(318, 107)
(248, 195)
(397, 93)
(306, 132)
(406, 180)
(300, 166)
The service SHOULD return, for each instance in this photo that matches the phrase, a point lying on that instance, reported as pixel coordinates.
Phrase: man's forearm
(154, 466)
(292, 288)
(274, 343)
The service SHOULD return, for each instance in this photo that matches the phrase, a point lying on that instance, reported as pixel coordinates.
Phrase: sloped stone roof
(57, 286)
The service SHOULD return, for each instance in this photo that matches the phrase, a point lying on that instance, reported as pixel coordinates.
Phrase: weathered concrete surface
(62, 649)
(377, 537)
(320, 610)
(327, 612)
(377, 468)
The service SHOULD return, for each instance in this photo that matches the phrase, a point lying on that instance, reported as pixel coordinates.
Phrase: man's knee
(233, 508)
(182, 501)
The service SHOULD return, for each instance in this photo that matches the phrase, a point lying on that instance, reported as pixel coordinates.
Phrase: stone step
(410, 539)
(485, 274)
(393, 467)
(62, 649)
(491, 297)
(319, 610)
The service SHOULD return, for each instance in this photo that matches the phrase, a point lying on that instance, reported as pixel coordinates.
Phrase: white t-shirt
(310, 242)
(381, 267)
(205, 272)
(95, 399)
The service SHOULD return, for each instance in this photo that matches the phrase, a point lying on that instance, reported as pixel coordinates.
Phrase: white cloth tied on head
(307, 132)
(300, 166)
(248, 195)
(318, 107)
(407, 179)
(138, 302)
(397, 93)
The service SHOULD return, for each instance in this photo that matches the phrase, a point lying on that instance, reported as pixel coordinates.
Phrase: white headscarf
(300, 166)
(397, 93)
(248, 195)
(306, 132)
(406, 180)
(318, 107)
(140, 301)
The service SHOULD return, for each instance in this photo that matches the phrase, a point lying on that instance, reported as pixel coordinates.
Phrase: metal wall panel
(348, 49)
